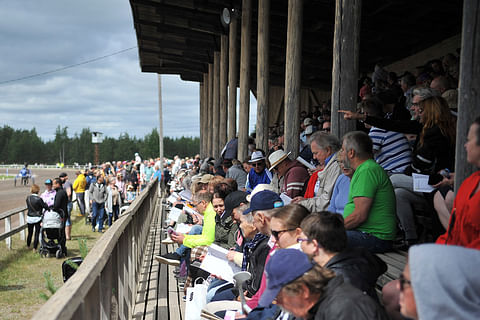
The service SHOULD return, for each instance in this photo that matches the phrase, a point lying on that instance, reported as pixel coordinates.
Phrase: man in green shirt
(202, 201)
(370, 212)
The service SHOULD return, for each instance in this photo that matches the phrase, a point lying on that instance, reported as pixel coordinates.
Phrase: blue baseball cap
(285, 266)
(48, 181)
(264, 200)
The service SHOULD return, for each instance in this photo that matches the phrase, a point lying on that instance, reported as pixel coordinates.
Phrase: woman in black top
(35, 206)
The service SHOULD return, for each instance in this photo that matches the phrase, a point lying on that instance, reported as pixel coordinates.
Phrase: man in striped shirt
(391, 149)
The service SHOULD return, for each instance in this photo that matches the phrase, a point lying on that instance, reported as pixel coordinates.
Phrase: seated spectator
(340, 191)
(391, 149)
(370, 211)
(234, 170)
(294, 174)
(449, 274)
(259, 172)
(442, 85)
(305, 150)
(320, 187)
(225, 228)
(324, 239)
(202, 202)
(130, 194)
(464, 226)
(307, 290)
(212, 183)
(326, 126)
(285, 225)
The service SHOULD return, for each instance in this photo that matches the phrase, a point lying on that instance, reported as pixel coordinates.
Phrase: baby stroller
(52, 234)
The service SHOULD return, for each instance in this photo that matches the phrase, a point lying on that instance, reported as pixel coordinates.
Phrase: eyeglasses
(300, 240)
(403, 282)
(415, 104)
(276, 234)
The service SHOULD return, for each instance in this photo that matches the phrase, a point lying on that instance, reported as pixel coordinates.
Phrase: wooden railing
(22, 225)
(9, 232)
(105, 284)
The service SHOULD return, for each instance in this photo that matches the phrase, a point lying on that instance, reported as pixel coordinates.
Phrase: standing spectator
(98, 197)
(112, 205)
(68, 187)
(121, 187)
(130, 196)
(149, 171)
(157, 173)
(79, 187)
(234, 170)
(370, 212)
(48, 196)
(258, 174)
(35, 206)
(61, 199)
(294, 174)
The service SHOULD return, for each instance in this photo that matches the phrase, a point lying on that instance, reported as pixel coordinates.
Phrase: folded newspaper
(186, 195)
(174, 214)
(216, 263)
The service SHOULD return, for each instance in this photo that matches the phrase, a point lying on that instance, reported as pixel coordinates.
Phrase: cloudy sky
(109, 95)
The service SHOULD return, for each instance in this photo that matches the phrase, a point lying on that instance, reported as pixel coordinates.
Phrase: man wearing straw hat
(294, 174)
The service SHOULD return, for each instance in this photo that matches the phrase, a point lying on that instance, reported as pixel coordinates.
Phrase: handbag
(196, 300)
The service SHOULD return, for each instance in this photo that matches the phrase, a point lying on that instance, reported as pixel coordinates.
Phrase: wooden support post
(469, 89)
(210, 111)
(293, 76)
(205, 116)
(202, 118)
(216, 103)
(232, 80)
(346, 44)
(8, 227)
(244, 108)
(222, 133)
(263, 73)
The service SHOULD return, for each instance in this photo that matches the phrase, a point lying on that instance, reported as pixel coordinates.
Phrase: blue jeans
(68, 222)
(98, 210)
(196, 229)
(357, 238)
(114, 214)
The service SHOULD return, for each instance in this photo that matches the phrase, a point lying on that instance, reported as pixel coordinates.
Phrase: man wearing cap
(68, 187)
(234, 169)
(294, 174)
(259, 172)
(48, 196)
(79, 187)
(307, 122)
(309, 291)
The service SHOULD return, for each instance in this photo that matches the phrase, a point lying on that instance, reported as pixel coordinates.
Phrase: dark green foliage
(23, 146)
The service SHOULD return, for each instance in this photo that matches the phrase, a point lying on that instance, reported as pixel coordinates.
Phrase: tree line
(25, 146)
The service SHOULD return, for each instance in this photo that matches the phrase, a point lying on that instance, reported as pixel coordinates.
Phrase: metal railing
(105, 284)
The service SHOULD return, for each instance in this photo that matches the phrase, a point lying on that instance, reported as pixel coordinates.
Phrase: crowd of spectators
(308, 230)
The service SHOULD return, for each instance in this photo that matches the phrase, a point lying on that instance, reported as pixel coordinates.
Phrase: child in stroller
(52, 234)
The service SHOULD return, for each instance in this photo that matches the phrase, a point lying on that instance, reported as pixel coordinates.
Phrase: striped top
(391, 150)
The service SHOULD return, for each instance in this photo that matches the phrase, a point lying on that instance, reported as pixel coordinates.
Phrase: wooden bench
(395, 261)
(158, 296)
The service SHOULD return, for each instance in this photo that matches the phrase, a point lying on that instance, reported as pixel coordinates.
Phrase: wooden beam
(222, 133)
(469, 90)
(232, 80)
(263, 74)
(216, 103)
(293, 76)
(244, 108)
(346, 45)
(210, 111)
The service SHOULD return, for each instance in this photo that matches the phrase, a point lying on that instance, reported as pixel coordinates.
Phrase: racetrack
(13, 197)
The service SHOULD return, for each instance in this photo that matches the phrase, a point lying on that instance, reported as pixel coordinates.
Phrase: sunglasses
(276, 234)
(258, 164)
(300, 240)
(403, 282)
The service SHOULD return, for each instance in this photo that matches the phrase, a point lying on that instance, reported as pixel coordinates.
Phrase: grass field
(3, 177)
(22, 272)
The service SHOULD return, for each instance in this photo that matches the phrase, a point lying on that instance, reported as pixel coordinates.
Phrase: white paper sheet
(305, 163)
(216, 263)
(420, 183)
(183, 228)
(189, 210)
(286, 199)
(186, 195)
(174, 214)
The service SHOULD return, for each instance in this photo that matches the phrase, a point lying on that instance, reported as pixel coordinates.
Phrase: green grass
(3, 177)
(22, 272)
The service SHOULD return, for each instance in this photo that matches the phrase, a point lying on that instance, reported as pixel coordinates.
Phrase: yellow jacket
(208, 231)
(79, 184)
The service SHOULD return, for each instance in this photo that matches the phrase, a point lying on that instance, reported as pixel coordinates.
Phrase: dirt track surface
(13, 197)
